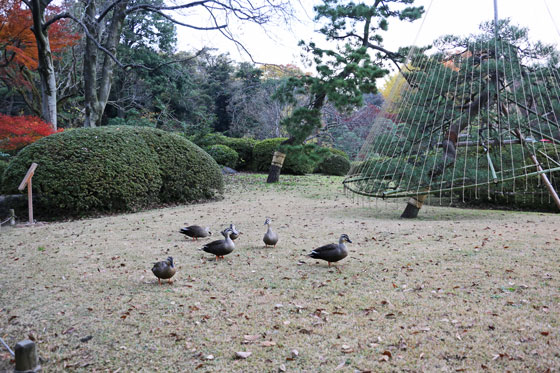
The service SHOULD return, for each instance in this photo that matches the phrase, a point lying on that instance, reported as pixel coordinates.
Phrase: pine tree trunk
(276, 167)
(413, 206)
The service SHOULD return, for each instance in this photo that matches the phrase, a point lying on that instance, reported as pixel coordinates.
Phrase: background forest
(143, 80)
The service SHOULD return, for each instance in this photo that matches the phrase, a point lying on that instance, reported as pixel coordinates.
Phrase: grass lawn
(454, 290)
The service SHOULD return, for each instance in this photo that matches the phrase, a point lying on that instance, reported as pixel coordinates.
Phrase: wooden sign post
(27, 182)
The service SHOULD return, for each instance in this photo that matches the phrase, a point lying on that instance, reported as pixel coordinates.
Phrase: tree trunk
(90, 67)
(276, 167)
(97, 91)
(46, 66)
(413, 206)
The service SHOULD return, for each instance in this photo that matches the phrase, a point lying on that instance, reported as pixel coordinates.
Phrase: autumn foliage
(17, 132)
(17, 41)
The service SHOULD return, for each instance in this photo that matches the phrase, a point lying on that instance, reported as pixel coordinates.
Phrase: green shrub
(243, 147)
(339, 152)
(188, 173)
(263, 151)
(3, 166)
(334, 164)
(111, 169)
(303, 159)
(223, 155)
(300, 159)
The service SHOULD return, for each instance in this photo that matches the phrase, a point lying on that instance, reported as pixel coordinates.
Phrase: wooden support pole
(27, 182)
(26, 357)
(546, 181)
(492, 169)
(30, 200)
(12, 217)
(537, 164)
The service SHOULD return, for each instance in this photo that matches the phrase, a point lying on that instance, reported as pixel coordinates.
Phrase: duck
(196, 231)
(220, 247)
(332, 252)
(164, 270)
(234, 232)
(270, 238)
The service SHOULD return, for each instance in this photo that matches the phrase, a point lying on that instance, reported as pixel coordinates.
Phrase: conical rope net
(475, 116)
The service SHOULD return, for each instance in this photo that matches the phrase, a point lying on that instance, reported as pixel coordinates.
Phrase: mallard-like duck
(270, 238)
(196, 231)
(220, 247)
(234, 232)
(332, 252)
(164, 270)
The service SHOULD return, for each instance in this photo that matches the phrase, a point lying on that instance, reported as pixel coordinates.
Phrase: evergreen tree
(346, 72)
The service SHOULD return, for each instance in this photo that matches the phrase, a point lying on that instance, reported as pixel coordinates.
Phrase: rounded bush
(300, 159)
(334, 164)
(111, 169)
(223, 155)
(303, 159)
(188, 173)
(243, 147)
(263, 151)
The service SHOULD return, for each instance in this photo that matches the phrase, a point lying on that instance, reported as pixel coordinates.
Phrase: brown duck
(332, 252)
(164, 270)
(220, 247)
(270, 237)
(196, 231)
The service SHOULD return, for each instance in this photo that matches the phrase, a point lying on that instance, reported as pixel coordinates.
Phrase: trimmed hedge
(263, 151)
(188, 173)
(243, 147)
(223, 155)
(303, 159)
(334, 164)
(112, 169)
(300, 159)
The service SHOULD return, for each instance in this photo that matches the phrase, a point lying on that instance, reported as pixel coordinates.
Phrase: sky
(277, 42)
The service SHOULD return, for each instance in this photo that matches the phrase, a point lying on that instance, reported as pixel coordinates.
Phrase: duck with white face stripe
(332, 252)
(220, 247)
(270, 237)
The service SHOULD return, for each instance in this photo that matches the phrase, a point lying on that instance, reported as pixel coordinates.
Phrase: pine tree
(344, 73)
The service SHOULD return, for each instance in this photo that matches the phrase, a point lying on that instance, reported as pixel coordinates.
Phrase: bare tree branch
(111, 55)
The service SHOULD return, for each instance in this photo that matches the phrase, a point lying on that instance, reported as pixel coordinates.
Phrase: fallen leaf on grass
(268, 343)
(250, 338)
(243, 354)
(347, 349)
